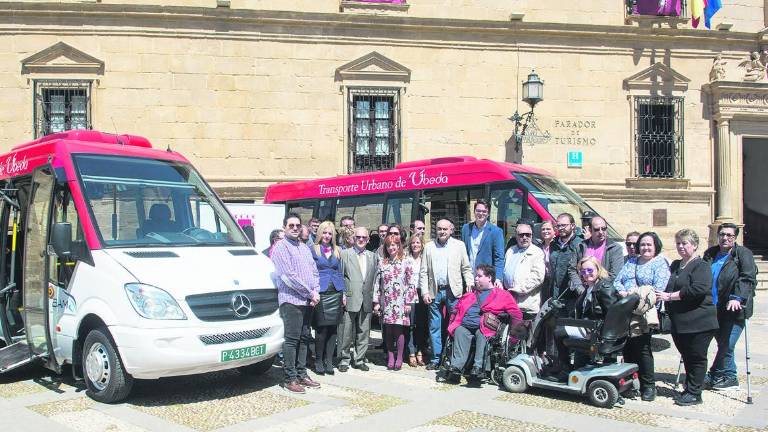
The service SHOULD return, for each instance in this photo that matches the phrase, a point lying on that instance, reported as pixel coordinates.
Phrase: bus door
(453, 204)
(399, 209)
(509, 203)
(37, 293)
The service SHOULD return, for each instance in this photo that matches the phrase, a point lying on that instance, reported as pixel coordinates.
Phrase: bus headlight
(153, 303)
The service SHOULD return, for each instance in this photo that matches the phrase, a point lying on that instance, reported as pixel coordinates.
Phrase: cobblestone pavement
(379, 400)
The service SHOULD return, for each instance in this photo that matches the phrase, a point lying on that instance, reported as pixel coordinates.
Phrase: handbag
(490, 320)
(665, 322)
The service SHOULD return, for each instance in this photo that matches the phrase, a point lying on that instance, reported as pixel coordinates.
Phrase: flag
(697, 10)
(712, 7)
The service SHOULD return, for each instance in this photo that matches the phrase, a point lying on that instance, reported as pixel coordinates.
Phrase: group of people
(334, 280)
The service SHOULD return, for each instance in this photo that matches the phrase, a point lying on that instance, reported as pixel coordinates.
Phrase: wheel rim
(515, 379)
(601, 394)
(97, 366)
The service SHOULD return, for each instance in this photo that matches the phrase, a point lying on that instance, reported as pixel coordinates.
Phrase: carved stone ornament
(754, 68)
(717, 73)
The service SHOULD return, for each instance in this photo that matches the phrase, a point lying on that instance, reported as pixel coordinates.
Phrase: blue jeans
(724, 364)
(436, 332)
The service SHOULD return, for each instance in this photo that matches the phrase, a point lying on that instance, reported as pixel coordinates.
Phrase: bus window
(506, 208)
(365, 210)
(453, 204)
(399, 210)
(325, 210)
(305, 210)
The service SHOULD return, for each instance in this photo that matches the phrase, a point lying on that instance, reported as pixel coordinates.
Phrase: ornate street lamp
(533, 93)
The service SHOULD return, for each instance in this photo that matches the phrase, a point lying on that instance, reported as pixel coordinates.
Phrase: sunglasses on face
(600, 229)
(586, 271)
(726, 235)
(630, 244)
(361, 237)
(524, 234)
(563, 226)
(293, 226)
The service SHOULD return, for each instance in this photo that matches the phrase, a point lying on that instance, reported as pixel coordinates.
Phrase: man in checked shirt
(298, 287)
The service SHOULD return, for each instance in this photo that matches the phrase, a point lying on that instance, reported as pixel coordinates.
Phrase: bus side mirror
(61, 238)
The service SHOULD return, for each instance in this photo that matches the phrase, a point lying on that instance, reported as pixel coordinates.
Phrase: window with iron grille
(61, 105)
(374, 129)
(659, 136)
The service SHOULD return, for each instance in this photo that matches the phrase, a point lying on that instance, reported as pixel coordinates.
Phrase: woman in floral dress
(394, 296)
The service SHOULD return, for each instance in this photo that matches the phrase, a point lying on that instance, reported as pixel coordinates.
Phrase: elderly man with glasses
(524, 270)
(359, 267)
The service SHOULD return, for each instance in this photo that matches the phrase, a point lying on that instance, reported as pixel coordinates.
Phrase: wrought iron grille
(61, 105)
(374, 129)
(659, 136)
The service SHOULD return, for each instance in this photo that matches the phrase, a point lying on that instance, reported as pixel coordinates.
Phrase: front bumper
(165, 352)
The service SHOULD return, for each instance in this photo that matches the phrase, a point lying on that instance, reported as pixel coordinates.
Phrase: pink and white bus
(122, 262)
(432, 189)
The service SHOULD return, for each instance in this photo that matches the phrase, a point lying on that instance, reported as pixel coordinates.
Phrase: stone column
(726, 170)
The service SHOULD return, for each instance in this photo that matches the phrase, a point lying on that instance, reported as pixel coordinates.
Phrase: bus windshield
(557, 198)
(137, 202)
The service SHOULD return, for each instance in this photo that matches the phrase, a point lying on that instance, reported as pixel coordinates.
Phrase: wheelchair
(500, 348)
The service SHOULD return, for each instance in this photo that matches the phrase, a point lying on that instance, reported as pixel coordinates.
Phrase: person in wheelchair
(475, 316)
(593, 303)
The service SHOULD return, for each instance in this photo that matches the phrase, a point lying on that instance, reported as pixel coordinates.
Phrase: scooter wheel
(602, 393)
(514, 380)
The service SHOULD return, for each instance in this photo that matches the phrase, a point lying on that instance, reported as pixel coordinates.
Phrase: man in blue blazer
(484, 240)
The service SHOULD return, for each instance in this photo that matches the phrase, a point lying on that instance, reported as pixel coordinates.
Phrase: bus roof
(413, 175)
(24, 158)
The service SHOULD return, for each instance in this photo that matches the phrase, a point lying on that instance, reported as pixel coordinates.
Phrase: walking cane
(749, 373)
(679, 369)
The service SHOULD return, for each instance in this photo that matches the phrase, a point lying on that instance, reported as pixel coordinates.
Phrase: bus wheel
(105, 377)
(259, 368)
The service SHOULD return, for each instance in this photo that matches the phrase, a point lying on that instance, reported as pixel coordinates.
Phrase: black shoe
(686, 399)
(361, 366)
(343, 368)
(433, 366)
(476, 372)
(329, 371)
(726, 383)
(709, 381)
(648, 394)
(319, 370)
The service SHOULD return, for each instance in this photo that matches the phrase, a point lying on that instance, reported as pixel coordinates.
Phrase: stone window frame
(357, 163)
(656, 80)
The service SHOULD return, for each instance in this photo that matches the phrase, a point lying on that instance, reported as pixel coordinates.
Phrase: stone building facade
(256, 92)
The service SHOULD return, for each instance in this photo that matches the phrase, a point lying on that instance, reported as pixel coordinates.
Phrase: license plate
(243, 353)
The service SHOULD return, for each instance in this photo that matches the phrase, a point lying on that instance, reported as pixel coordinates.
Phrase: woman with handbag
(329, 310)
(476, 317)
(693, 314)
(647, 269)
(394, 295)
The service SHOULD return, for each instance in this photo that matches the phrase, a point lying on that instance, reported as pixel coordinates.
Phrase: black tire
(514, 380)
(103, 371)
(602, 393)
(258, 368)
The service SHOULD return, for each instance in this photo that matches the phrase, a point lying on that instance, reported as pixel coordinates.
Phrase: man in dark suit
(484, 241)
(359, 269)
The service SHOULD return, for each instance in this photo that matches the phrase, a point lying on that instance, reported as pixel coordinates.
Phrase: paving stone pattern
(379, 400)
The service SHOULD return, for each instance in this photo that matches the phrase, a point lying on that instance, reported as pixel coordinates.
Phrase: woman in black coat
(693, 315)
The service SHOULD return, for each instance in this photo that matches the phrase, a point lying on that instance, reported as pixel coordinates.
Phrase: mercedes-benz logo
(241, 305)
